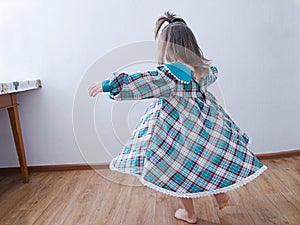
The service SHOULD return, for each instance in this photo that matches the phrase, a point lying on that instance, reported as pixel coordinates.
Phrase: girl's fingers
(90, 89)
(95, 89)
(94, 92)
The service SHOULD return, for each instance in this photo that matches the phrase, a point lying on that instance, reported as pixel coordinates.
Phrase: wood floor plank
(293, 163)
(165, 209)
(114, 200)
(54, 210)
(141, 206)
(47, 188)
(12, 184)
(260, 207)
(289, 179)
(206, 211)
(7, 177)
(82, 209)
(269, 184)
(92, 197)
(234, 213)
(120, 203)
(107, 176)
(286, 207)
(69, 194)
(295, 201)
(21, 193)
(8, 186)
(31, 209)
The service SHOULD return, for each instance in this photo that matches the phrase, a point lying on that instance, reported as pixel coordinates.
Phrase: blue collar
(180, 71)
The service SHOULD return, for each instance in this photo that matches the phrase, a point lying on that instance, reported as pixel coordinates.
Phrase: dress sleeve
(210, 78)
(150, 84)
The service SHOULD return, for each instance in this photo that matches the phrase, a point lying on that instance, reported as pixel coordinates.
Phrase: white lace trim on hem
(198, 194)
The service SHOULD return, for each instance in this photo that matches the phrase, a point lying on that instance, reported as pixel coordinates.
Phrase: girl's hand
(95, 89)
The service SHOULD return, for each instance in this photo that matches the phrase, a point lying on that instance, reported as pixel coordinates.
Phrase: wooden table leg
(16, 128)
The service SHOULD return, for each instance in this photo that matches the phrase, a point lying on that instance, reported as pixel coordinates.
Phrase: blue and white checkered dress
(185, 145)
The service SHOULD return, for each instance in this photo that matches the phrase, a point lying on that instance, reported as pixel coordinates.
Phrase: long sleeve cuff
(105, 86)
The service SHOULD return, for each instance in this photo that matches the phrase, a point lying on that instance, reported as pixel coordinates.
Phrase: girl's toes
(182, 214)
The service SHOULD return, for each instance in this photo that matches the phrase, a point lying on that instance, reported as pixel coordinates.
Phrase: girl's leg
(187, 213)
(222, 199)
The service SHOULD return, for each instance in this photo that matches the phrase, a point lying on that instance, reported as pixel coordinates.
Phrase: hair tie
(170, 20)
(175, 20)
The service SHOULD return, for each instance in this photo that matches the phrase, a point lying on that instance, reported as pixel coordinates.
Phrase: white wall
(255, 45)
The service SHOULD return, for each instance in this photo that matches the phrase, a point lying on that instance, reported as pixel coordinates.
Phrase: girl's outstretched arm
(150, 84)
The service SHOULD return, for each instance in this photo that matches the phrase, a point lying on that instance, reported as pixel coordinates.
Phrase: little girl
(185, 145)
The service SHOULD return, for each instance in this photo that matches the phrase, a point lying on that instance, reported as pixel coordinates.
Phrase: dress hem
(197, 194)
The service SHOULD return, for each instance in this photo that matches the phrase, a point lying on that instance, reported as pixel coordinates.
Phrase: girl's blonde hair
(176, 42)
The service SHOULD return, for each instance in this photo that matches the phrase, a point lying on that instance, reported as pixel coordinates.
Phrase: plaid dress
(185, 144)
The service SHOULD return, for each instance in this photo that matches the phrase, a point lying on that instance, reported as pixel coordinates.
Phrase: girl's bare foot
(182, 214)
(222, 200)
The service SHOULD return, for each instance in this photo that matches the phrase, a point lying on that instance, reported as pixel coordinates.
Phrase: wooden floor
(97, 197)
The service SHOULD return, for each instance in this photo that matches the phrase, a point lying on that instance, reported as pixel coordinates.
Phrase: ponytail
(168, 17)
(176, 42)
